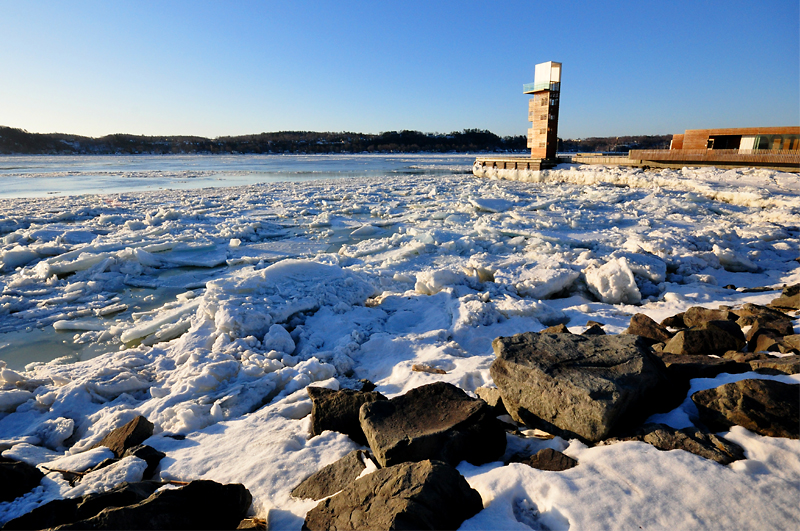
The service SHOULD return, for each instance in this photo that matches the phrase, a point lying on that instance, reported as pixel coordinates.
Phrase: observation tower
(543, 110)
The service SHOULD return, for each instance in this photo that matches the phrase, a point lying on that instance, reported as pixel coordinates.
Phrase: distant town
(20, 142)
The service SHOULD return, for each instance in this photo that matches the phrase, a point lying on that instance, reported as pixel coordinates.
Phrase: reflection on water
(20, 348)
(42, 345)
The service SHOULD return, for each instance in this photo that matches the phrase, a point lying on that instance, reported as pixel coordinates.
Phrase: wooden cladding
(543, 135)
(699, 138)
(762, 157)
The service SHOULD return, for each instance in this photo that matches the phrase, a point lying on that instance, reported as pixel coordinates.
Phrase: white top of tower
(546, 73)
(546, 76)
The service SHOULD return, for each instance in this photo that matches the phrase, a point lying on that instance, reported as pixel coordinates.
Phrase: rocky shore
(594, 387)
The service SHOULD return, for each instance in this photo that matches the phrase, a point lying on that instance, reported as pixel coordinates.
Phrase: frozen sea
(189, 289)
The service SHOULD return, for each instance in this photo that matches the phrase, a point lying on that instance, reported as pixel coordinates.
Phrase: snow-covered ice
(210, 311)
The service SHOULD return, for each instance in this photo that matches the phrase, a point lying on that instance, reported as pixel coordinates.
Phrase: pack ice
(210, 311)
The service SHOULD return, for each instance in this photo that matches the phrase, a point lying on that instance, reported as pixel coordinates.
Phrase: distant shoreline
(19, 142)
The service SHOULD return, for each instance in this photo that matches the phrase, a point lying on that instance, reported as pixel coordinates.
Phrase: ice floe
(210, 311)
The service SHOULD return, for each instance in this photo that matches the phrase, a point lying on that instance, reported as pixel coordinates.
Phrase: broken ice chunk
(614, 283)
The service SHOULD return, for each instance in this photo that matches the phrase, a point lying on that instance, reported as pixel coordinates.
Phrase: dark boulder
(424, 495)
(67, 511)
(642, 325)
(338, 411)
(366, 385)
(578, 386)
(675, 321)
(789, 299)
(684, 368)
(763, 318)
(594, 330)
(149, 454)
(201, 504)
(691, 440)
(17, 478)
(697, 315)
(765, 341)
(712, 337)
(784, 365)
(131, 434)
(767, 407)
(793, 341)
(556, 329)
(333, 477)
(435, 421)
(491, 395)
(547, 459)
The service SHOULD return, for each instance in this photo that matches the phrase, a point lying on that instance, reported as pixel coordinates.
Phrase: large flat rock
(691, 440)
(711, 337)
(767, 407)
(424, 495)
(201, 504)
(578, 386)
(435, 421)
(333, 477)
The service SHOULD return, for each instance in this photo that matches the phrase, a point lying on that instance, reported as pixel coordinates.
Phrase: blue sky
(240, 67)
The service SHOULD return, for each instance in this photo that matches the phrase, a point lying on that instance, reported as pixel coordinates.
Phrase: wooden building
(543, 110)
(744, 139)
(773, 147)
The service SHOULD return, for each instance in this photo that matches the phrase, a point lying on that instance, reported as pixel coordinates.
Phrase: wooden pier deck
(788, 161)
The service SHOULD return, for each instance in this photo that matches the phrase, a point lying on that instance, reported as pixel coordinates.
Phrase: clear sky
(240, 67)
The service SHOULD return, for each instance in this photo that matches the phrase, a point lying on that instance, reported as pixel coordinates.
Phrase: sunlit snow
(211, 310)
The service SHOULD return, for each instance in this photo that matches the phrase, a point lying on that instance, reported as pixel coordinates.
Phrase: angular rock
(766, 407)
(745, 357)
(594, 330)
(435, 421)
(338, 411)
(131, 434)
(150, 455)
(17, 478)
(784, 365)
(765, 341)
(421, 367)
(578, 386)
(424, 495)
(676, 321)
(642, 325)
(67, 511)
(684, 368)
(556, 329)
(761, 318)
(793, 341)
(697, 315)
(252, 523)
(201, 504)
(712, 337)
(547, 459)
(333, 477)
(366, 385)
(691, 440)
(789, 299)
(491, 395)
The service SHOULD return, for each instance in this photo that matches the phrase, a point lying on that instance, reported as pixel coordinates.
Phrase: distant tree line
(614, 144)
(18, 141)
